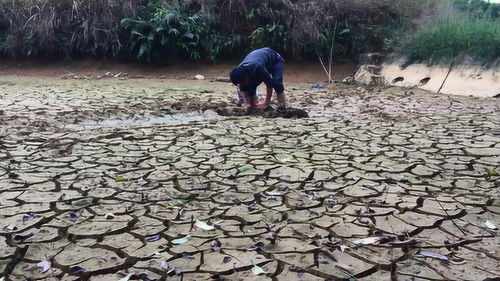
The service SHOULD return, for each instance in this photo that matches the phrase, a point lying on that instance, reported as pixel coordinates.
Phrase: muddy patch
(289, 113)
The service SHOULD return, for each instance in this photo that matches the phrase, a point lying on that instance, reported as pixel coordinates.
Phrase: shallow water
(173, 119)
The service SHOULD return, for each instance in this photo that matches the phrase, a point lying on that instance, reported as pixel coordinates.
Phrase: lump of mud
(266, 113)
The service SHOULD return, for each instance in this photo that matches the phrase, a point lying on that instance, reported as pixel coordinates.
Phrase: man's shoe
(251, 109)
(281, 108)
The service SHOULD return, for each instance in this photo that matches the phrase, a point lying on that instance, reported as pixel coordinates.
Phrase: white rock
(199, 77)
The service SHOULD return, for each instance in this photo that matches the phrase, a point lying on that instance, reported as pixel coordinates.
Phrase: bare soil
(141, 179)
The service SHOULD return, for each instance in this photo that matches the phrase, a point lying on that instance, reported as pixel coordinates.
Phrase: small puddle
(174, 119)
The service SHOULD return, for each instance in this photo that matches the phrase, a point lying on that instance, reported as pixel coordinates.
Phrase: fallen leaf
(181, 241)
(246, 169)
(494, 172)
(29, 216)
(171, 207)
(82, 202)
(44, 265)
(9, 228)
(126, 278)
(253, 209)
(73, 216)
(171, 270)
(366, 241)
(215, 246)
(75, 270)
(23, 236)
(285, 158)
(27, 267)
(109, 216)
(460, 223)
(457, 260)
(343, 248)
(188, 257)
(109, 259)
(371, 228)
(433, 255)
(152, 238)
(273, 193)
(119, 179)
(257, 270)
(164, 265)
(312, 213)
(257, 246)
(203, 225)
(490, 225)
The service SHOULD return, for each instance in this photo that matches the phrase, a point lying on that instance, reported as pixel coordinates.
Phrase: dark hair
(237, 75)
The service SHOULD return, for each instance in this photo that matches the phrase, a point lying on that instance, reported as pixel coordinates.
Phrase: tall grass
(457, 34)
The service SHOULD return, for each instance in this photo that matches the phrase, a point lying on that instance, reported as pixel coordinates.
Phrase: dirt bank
(462, 79)
(306, 72)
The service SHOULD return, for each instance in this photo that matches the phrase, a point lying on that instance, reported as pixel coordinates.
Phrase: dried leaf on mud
(120, 179)
(126, 278)
(257, 270)
(181, 241)
(247, 169)
(433, 255)
(44, 265)
(152, 238)
(490, 225)
(367, 241)
(203, 225)
(460, 223)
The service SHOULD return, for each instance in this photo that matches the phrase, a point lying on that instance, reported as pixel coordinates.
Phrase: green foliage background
(213, 30)
(463, 29)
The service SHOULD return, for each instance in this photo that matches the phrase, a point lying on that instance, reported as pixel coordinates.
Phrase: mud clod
(269, 112)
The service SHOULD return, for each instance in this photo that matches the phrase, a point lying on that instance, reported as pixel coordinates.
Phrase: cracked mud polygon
(142, 180)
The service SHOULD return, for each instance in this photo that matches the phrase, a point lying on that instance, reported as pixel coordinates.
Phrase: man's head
(238, 76)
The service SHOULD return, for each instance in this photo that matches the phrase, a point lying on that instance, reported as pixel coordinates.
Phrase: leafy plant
(175, 31)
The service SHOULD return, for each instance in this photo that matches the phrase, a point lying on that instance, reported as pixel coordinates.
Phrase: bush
(176, 31)
(456, 35)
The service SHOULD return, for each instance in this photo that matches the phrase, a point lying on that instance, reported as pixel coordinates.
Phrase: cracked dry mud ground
(295, 197)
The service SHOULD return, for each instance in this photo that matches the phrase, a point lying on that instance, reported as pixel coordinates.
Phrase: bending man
(262, 65)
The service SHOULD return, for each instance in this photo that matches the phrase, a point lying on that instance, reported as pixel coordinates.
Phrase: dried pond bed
(376, 184)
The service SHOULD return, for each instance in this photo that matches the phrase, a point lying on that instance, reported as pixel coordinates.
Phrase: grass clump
(458, 34)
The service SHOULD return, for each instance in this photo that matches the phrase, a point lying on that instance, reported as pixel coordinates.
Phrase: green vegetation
(197, 29)
(468, 28)
(163, 30)
(175, 31)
